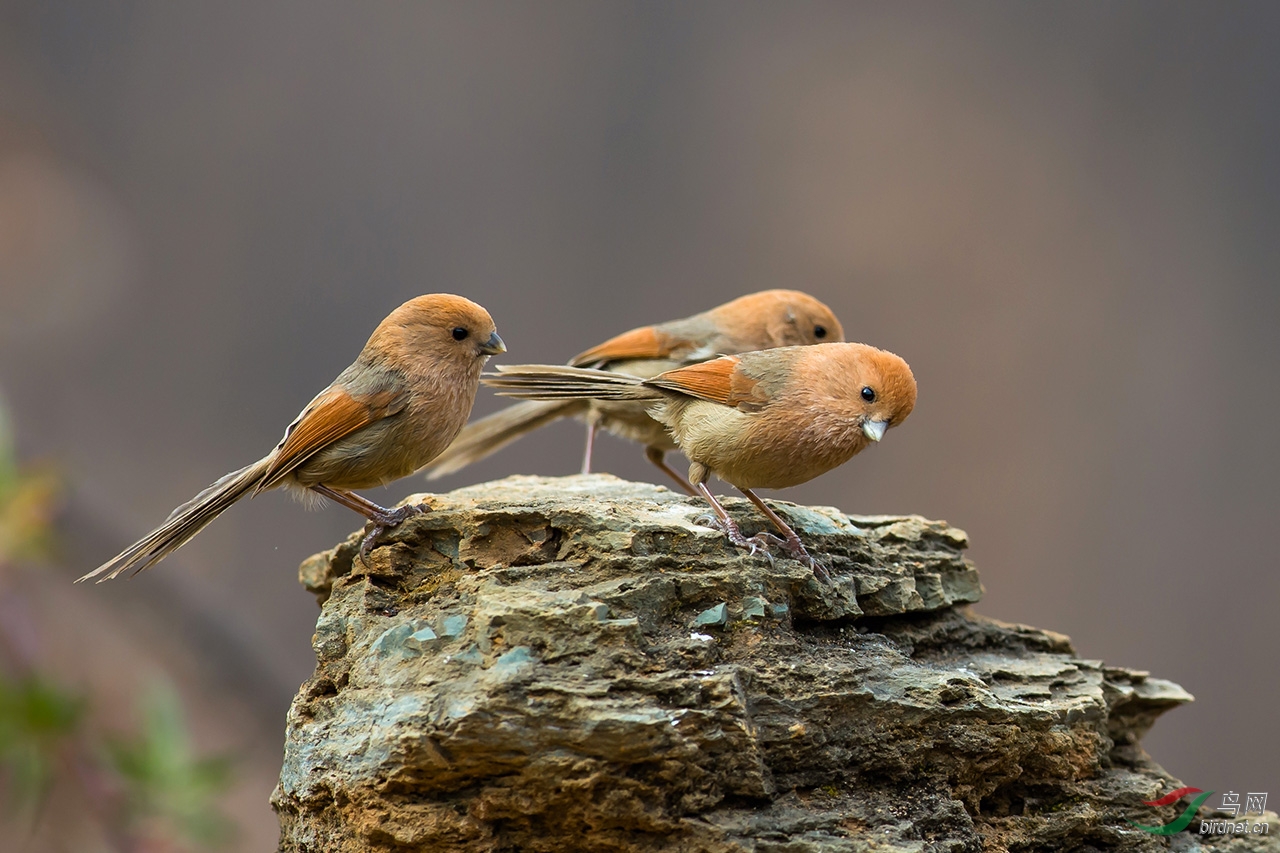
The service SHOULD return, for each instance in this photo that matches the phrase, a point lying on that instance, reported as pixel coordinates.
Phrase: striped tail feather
(557, 382)
(183, 523)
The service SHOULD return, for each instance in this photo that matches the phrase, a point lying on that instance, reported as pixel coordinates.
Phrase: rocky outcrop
(579, 664)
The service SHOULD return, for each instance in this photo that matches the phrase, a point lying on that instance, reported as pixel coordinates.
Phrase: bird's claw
(795, 550)
(392, 519)
(819, 571)
(761, 542)
(758, 544)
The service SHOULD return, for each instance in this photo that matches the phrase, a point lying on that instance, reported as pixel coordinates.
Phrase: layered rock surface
(579, 664)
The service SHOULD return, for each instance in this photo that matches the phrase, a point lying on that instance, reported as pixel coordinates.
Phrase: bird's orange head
(440, 326)
(778, 318)
(880, 386)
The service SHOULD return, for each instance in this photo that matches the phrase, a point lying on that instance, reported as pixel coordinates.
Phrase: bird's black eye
(459, 333)
(868, 394)
(819, 332)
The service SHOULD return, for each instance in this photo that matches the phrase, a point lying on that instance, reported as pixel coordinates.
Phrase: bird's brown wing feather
(646, 342)
(333, 414)
(720, 381)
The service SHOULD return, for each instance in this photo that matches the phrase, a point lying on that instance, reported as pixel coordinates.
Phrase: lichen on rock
(579, 664)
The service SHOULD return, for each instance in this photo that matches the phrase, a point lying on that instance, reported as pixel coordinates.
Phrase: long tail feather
(555, 382)
(490, 434)
(182, 524)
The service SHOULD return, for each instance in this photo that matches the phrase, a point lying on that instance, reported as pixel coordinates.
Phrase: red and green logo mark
(1183, 820)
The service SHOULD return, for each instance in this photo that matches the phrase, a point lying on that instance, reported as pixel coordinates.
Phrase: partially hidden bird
(391, 412)
(769, 419)
(770, 318)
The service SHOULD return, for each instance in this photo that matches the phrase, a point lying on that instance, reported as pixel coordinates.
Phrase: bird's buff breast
(770, 449)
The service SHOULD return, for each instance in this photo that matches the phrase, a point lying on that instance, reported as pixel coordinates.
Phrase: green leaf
(36, 721)
(165, 783)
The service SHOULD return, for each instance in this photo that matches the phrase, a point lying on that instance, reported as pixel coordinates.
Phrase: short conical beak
(874, 430)
(493, 346)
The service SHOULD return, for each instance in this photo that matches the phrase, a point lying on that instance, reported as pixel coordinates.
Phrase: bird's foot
(795, 550)
(387, 520)
(708, 520)
(758, 544)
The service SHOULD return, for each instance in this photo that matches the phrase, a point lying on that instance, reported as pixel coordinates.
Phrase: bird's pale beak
(493, 346)
(874, 430)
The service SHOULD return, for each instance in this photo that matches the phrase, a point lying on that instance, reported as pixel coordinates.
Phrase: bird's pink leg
(383, 519)
(758, 544)
(791, 542)
(591, 440)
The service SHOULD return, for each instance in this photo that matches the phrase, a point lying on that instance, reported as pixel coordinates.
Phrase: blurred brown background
(1063, 215)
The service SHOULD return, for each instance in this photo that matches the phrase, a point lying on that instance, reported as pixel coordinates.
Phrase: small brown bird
(771, 318)
(403, 400)
(768, 419)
